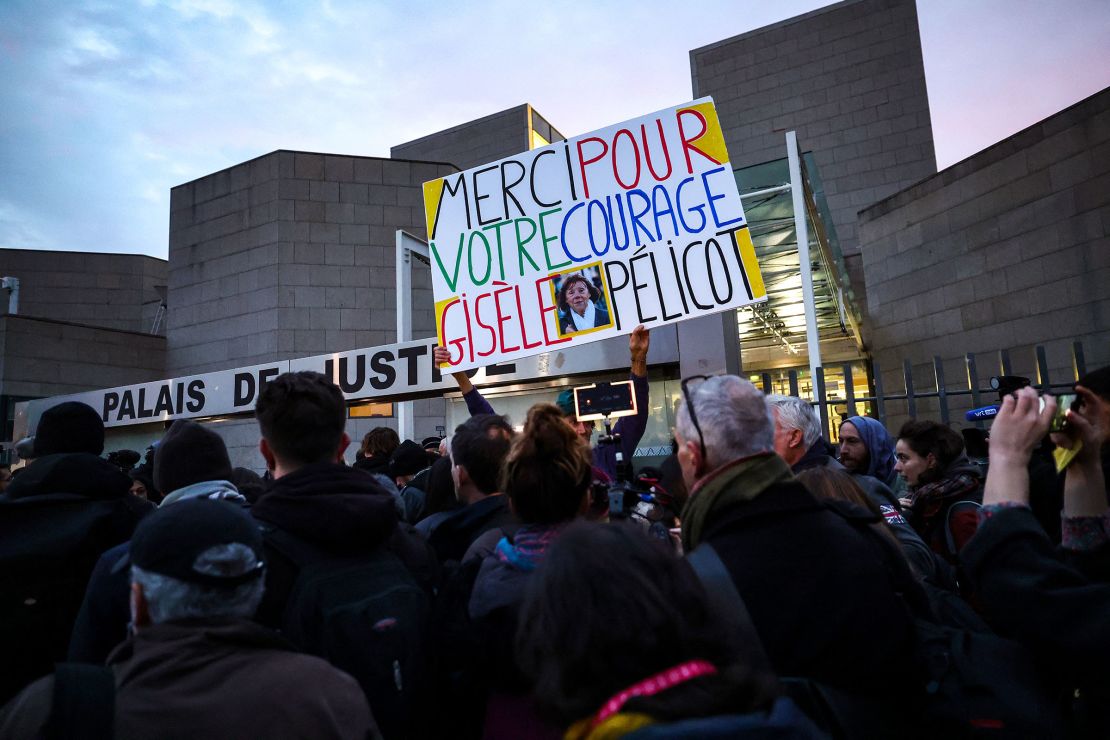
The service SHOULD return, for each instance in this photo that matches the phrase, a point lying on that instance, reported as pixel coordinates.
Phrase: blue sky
(104, 106)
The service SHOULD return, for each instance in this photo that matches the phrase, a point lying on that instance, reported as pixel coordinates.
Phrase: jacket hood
(880, 446)
(963, 465)
(337, 508)
(77, 473)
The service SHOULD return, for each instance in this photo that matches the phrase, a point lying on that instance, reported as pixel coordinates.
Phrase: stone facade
(1007, 249)
(45, 357)
(484, 140)
(850, 80)
(291, 254)
(113, 291)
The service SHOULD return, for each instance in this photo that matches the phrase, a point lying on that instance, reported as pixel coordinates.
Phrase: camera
(124, 459)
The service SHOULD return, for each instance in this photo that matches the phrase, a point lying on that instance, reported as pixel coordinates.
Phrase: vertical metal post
(801, 228)
(942, 392)
(880, 402)
(911, 400)
(849, 389)
(793, 378)
(767, 383)
(406, 245)
(973, 384)
(1078, 362)
(1004, 362)
(1043, 381)
(819, 396)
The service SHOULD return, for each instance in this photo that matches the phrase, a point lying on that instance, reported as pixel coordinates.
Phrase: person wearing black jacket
(819, 591)
(314, 497)
(56, 518)
(1054, 601)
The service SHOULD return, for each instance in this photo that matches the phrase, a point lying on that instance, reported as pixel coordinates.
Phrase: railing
(942, 390)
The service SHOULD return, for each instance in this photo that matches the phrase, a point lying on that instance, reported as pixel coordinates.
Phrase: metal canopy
(773, 334)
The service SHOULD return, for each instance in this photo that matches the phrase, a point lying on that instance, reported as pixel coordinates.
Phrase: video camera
(125, 460)
(1009, 384)
(626, 498)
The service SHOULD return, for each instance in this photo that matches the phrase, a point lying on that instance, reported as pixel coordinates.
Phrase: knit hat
(188, 454)
(565, 402)
(169, 541)
(408, 459)
(69, 427)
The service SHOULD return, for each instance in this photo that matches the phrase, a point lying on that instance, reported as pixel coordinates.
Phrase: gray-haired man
(798, 441)
(197, 666)
(816, 586)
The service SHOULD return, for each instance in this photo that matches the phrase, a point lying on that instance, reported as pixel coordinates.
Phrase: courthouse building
(295, 254)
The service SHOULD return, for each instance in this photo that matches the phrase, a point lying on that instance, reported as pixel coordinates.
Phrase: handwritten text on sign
(638, 223)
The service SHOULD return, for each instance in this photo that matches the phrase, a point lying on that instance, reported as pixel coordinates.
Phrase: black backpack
(84, 703)
(367, 616)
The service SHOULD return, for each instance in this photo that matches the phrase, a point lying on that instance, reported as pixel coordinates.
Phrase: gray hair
(170, 599)
(734, 419)
(794, 413)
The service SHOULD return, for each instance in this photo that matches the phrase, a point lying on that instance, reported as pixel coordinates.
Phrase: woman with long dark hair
(619, 637)
(944, 488)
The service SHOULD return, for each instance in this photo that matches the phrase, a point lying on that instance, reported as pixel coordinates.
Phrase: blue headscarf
(880, 446)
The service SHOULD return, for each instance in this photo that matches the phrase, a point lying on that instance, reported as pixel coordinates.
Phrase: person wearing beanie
(190, 462)
(69, 427)
(56, 519)
(405, 463)
(196, 578)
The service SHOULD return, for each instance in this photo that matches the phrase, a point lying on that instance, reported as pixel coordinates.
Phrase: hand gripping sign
(638, 223)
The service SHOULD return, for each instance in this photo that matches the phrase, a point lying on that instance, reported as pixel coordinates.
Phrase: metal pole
(797, 192)
(404, 325)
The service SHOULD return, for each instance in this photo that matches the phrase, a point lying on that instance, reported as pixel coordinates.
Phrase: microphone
(986, 412)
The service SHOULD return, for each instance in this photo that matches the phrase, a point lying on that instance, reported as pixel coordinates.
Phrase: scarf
(528, 546)
(733, 483)
(611, 722)
(927, 500)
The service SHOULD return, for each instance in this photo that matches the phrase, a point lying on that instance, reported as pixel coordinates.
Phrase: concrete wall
(1006, 250)
(850, 80)
(40, 357)
(291, 254)
(476, 142)
(115, 291)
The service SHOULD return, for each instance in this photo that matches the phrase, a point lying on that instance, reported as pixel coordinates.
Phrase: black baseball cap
(169, 541)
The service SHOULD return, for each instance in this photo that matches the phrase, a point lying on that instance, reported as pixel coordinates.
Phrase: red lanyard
(656, 684)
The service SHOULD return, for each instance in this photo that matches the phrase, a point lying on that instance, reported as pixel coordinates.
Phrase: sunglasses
(686, 382)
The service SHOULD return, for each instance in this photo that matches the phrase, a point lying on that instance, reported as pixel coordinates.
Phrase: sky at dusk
(104, 106)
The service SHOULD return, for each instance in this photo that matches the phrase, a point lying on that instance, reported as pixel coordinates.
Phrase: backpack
(84, 703)
(49, 545)
(367, 616)
(974, 683)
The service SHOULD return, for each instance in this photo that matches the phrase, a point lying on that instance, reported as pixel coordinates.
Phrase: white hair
(169, 599)
(734, 419)
(794, 413)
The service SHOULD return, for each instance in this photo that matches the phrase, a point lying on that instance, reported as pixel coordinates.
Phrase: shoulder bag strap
(84, 702)
(726, 601)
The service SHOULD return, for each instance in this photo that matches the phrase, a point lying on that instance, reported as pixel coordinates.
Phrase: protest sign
(637, 223)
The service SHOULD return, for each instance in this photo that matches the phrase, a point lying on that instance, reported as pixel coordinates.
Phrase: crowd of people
(486, 586)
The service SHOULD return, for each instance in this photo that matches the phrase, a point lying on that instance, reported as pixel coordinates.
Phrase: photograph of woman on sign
(581, 298)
